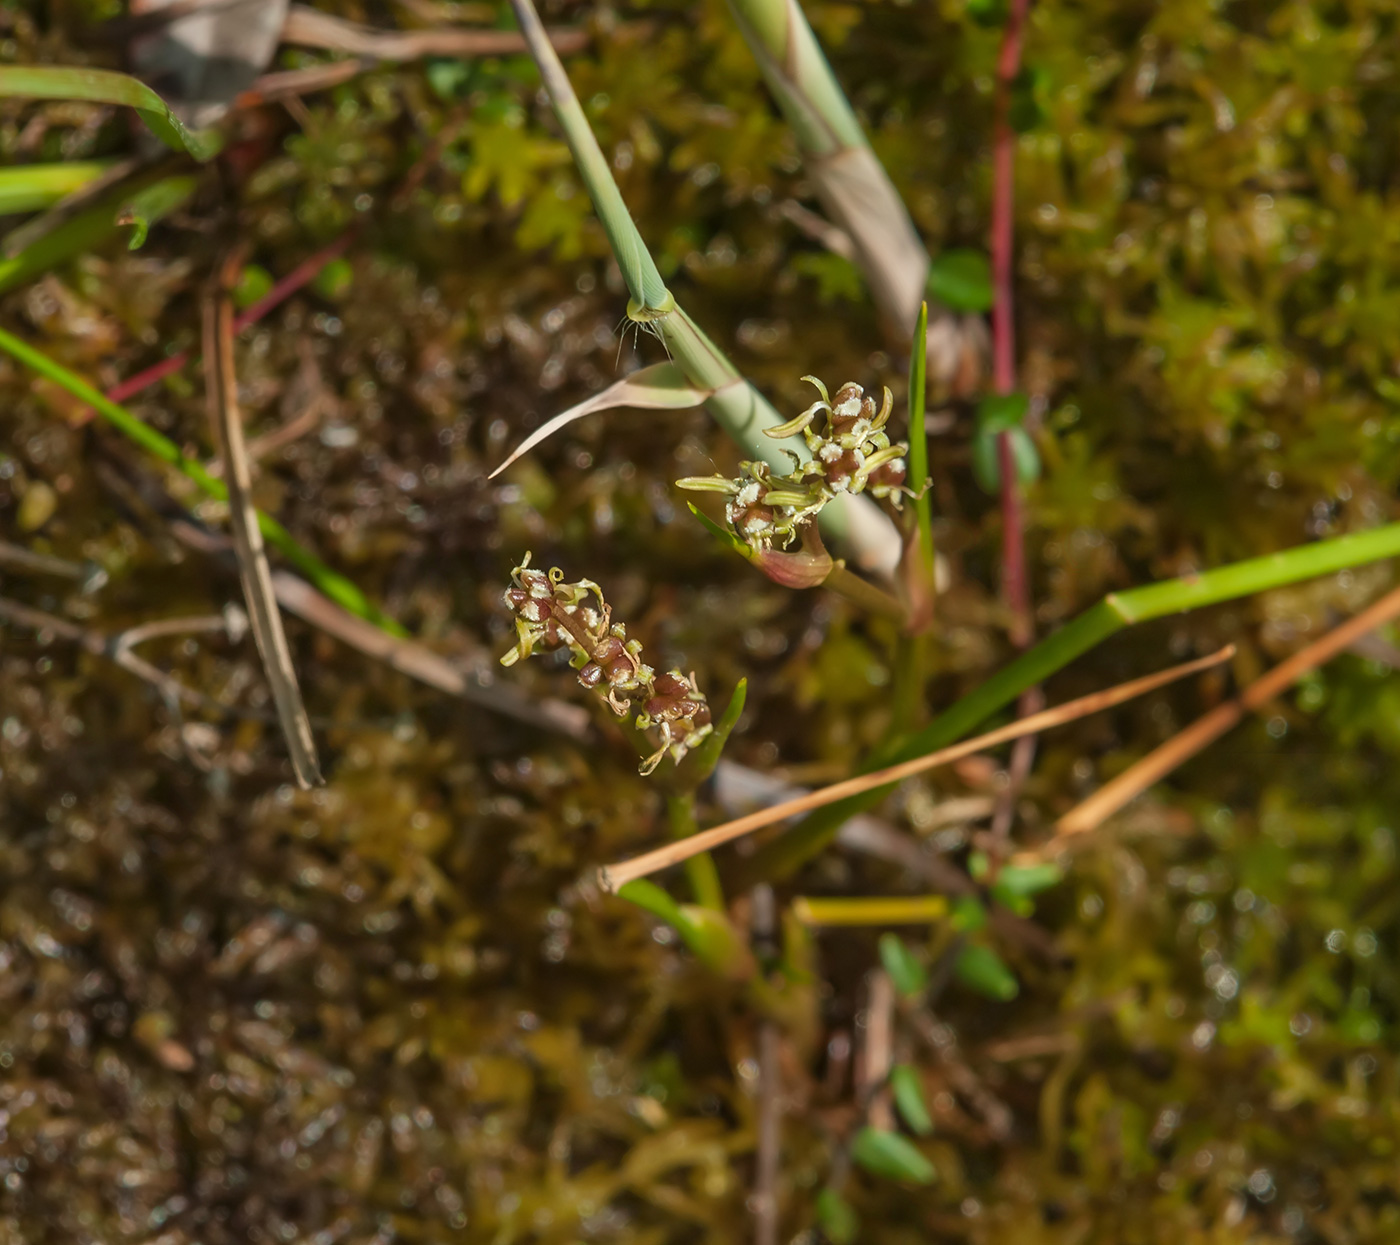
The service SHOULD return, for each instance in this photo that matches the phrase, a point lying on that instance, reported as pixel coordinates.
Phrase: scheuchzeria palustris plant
(551, 613)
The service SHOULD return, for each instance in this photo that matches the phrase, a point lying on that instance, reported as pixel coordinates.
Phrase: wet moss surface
(390, 1008)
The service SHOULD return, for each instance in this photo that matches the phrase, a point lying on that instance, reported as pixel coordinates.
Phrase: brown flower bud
(608, 650)
(620, 670)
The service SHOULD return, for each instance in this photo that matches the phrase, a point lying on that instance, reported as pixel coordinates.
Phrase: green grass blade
(105, 87)
(918, 439)
(1112, 614)
(93, 226)
(34, 186)
(799, 75)
(332, 584)
(639, 271)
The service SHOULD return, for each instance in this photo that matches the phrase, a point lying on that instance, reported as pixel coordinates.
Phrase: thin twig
(310, 28)
(111, 648)
(303, 274)
(222, 395)
(1156, 765)
(310, 401)
(941, 1039)
(818, 228)
(40, 563)
(283, 84)
(164, 627)
(877, 1051)
(611, 877)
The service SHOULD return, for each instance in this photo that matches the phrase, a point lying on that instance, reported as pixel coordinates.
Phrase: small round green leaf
(1001, 412)
(1027, 879)
(909, 1099)
(968, 915)
(987, 13)
(981, 969)
(334, 279)
(961, 280)
(891, 1156)
(836, 1217)
(902, 965)
(254, 282)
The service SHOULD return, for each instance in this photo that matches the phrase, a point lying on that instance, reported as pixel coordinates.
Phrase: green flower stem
(335, 586)
(704, 877)
(735, 404)
(863, 593)
(1115, 612)
(918, 442)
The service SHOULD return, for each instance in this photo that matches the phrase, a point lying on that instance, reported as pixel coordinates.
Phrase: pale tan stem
(611, 877)
(1156, 765)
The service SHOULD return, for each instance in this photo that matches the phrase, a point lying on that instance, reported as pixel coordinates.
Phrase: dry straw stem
(221, 391)
(310, 28)
(1100, 806)
(850, 181)
(612, 877)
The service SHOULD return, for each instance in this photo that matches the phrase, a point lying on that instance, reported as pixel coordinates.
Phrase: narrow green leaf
(1028, 879)
(709, 935)
(32, 186)
(902, 965)
(908, 1092)
(333, 585)
(891, 1156)
(961, 279)
(721, 534)
(918, 439)
(651, 898)
(981, 969)
(90, 228)
(836, 1217)
(1092, 627)
(106, 87)
(150, 204)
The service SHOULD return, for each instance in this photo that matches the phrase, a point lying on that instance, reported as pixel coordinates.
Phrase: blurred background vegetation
(386, 1009)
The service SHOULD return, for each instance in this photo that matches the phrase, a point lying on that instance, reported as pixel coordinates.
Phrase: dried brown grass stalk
(221, 385)
(1156, 765)
(613, 877)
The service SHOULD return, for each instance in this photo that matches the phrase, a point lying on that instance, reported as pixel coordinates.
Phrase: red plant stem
(303, 274)
(1015, 586)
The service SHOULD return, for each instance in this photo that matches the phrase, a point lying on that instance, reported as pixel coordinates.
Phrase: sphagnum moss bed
(394, 1007)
